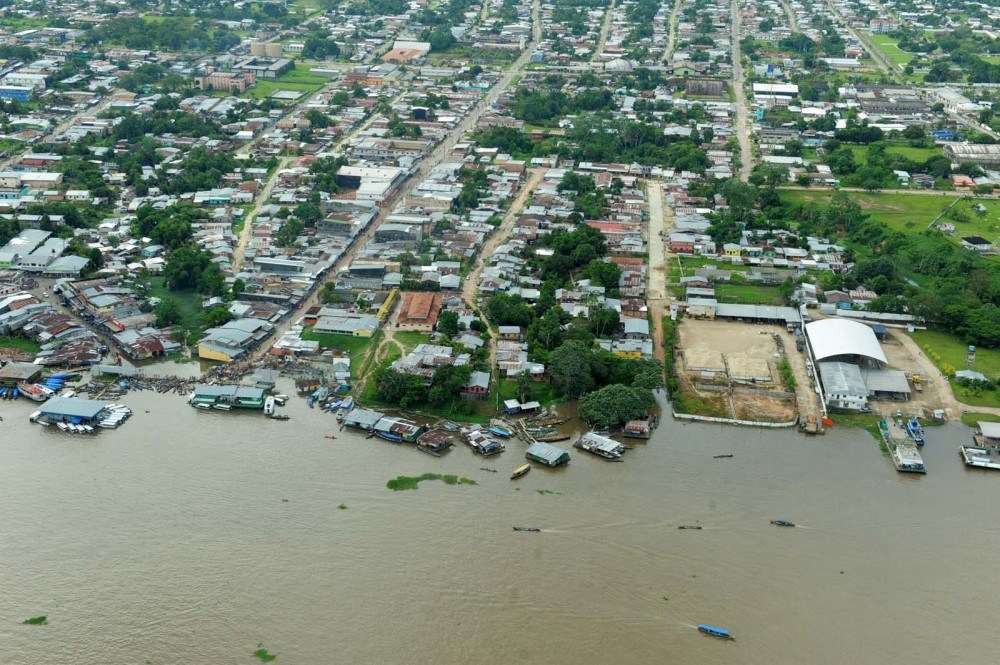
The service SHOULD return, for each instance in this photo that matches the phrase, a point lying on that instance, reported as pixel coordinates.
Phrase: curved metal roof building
(831, 338)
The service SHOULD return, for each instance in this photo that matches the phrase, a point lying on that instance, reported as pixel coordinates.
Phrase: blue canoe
(714, 631)
(500, 431)
(389, 436)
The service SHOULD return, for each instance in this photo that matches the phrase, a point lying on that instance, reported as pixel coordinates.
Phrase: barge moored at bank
(602, 446)
(904, 453)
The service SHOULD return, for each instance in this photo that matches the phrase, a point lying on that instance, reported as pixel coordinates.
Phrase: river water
(169, 540)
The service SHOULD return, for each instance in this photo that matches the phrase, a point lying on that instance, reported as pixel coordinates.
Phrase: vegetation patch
(948, 353)
(37, 621)
(970, 418)
(749, 294)
(19, 343)
(264, 655)
(400, 483)
(891, 49)
(787, 376)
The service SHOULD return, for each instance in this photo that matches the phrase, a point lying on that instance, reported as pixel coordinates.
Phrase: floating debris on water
(37, 621)
(264, 655)
(410, 482)
(343, 506)
(544, 492)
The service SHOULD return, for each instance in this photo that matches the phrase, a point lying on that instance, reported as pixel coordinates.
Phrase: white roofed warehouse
(846, 341)
(842, 351)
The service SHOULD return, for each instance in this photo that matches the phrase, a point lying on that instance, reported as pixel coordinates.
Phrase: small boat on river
(715, 631)
(500, 431)
(696, 527)
(782, 523)
(724, 456)
(520, 471)
(528, 529)
(915, 430)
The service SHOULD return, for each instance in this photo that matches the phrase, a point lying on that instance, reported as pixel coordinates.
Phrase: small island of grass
(411, 482)
(264, 655)
(36, 621)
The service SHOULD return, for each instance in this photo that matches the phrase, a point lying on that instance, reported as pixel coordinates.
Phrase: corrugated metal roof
(547, 453)
(842, 379)
(886, 381)
(73, 406)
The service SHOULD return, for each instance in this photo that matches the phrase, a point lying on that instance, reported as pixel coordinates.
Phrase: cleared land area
(748, 294)
(917, 154)
(909, 213)
(890, 48)
(297, 80)
(730, 370)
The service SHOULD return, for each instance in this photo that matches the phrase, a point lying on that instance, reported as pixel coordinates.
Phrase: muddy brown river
(192, 537)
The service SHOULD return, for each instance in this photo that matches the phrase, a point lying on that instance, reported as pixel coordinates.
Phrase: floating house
(599, 445)
(397, 429)
(546, 454)
(240, 397)
(72, 410)
(363, 418)
(638, 429)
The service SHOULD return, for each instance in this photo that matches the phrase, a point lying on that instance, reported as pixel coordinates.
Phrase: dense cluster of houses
(787, 105)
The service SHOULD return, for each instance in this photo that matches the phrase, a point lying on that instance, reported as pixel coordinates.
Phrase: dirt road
(602, 38)
(661, 223)
(470, 286)
(668, 53)
(793, 22)
(739, 96)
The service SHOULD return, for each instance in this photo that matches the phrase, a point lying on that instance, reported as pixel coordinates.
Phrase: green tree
(604, 273)
(615, 404)
(448, 323)
(167, 312)
(603, 321)
(570, 369)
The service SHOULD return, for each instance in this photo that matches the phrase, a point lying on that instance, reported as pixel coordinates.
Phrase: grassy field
(909, 213)
(968, 221)
(355, 347)
(188, 302)
(299, 80)
(686, 266)
(947, 352)
(748, 294)
(951, 351)
(891, 49)
(912, 213)
(908, 151)
(970, 418)
(305, 6)
(19, 343)
(410, 339)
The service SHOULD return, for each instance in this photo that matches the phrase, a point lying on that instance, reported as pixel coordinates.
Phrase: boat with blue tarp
(915, 430)
(715, 631)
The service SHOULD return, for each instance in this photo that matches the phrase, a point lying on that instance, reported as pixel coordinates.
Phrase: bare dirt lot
(741, 361)
(935, 394)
